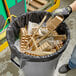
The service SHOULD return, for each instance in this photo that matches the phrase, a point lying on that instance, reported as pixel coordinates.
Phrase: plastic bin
(35, 65)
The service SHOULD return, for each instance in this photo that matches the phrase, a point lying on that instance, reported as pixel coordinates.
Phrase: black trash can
(35, 65)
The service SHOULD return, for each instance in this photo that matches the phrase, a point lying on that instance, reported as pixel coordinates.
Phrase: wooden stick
(40, 25)
(56, 37)
(23, 33)
(42, 53)
(39, 53)
(35, 4)
(42, 1)
(44, 36)
(52, 24)
(34, 42)
(37, 29)
(44, 47)
(59, 37)
(30, 8)
(49, 24)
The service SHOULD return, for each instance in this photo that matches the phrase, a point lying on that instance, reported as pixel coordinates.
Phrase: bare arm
(73, 6)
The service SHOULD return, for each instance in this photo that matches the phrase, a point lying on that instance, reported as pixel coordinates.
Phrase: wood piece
(40, 25)
(34, 42)
(23, 38)
(33, 30)
(39, 5)
(37, 53)
(57, 47)
(52, 24)
(53, 50)
(46, 35)
(40, 53)
(41, 1)
(55, 33)
(35, 4)
(37, 29)
(23, 31)
(30, 8)
(47, 23)
(59, 37)
(43, 30)
(44, 46)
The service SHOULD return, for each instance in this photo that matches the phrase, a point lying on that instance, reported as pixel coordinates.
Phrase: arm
(73, 6)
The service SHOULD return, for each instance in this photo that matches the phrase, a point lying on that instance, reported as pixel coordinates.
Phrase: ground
(7, 68)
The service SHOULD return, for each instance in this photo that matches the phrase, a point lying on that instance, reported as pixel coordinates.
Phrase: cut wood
(30, 8)
(52, 24)
(42, 1)
(39, 53)
(44, 47)
(46, 35)
(35, 4)
(37, 29)
(34, 42)
(57, 47)
(31, 42)
(23, 31)
(59, 37)
(24, 37)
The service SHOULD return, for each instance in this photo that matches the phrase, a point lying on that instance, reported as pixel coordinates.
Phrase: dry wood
(55, 33)
(59, 37)
(33, 30)
(57, 47)
(39, 5)
(44, 46)
(28, 40)
(23, 31)
(37, 29)
(40, 25)
(52, 24)
(40, 53)
(24, 37)
(48, 20)
(46, 35)
(30, 8)
(35, 4)
(41, 1)
(53, 50)
(34, 42)
(37, 53)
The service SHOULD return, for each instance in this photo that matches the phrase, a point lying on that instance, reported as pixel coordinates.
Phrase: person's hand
(64, 12)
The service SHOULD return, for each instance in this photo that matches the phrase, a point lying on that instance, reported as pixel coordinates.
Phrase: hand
(64, 12)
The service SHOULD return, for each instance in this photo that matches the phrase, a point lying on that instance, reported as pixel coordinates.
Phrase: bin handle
(15, 62)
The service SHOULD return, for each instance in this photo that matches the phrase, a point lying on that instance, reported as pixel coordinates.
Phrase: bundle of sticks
(30, 44)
